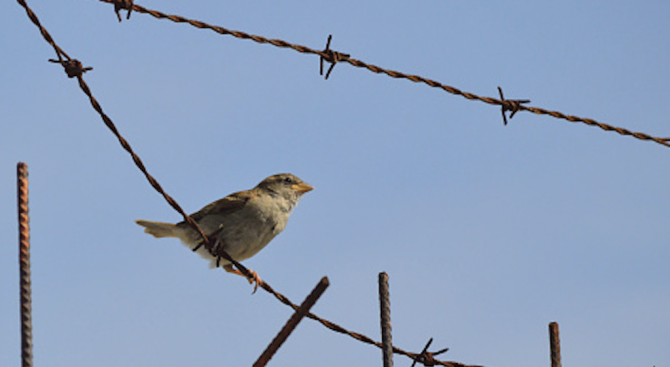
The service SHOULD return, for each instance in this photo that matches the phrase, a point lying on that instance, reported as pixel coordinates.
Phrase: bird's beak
(302, 187)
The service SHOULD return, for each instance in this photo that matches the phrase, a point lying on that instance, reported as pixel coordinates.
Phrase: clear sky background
(488, 232)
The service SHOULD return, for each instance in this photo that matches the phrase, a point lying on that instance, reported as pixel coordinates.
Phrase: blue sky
(488, 232)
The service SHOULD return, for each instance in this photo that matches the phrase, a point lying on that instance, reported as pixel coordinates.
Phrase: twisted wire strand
(45, 34)
(392, 73)
(154, 183)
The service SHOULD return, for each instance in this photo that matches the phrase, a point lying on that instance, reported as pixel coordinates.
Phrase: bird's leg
(216, 244)
(253, 279)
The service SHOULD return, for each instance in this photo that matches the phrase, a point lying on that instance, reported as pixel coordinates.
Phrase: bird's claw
(255, 279)
(252, 278)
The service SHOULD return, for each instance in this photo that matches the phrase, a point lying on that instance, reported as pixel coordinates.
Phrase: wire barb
(333, 57)
(73, 67)
(123, 5)
(426, 357)
(513, 105)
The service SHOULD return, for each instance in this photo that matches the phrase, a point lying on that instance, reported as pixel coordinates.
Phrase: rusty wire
(24, 266)
(334, 57)
(154, 183)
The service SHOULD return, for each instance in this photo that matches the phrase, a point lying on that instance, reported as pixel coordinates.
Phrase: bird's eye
(288, 180)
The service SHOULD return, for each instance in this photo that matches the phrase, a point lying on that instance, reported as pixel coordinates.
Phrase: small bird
(241, 224)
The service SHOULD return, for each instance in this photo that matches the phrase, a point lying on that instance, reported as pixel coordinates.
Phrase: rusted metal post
(385, 316)
(555, 345)
(24, 267)
(292, 322)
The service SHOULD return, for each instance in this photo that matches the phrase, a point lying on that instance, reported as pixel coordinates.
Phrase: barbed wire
(75, 69)
(360, 337)
(334, 57)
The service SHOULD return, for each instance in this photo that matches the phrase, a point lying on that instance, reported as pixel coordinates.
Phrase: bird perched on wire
(241, 224)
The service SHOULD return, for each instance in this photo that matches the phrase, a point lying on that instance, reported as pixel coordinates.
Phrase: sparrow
(241, 224)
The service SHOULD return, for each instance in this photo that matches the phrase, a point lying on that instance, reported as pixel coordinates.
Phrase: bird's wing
(220, 208)
(225, 206)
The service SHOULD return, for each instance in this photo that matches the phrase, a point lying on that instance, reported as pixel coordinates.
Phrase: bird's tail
(159, 229)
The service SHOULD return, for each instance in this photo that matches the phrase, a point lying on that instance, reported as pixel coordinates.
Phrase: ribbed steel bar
(292, 323)
(24, 266)
(385, 317)
(555, 345)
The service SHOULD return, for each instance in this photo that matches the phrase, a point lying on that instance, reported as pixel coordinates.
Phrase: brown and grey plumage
(242, 223)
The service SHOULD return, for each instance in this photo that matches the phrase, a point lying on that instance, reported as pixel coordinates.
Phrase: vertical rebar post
(385, 316)
(24, 266)
(292, 323)
(555, 345)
